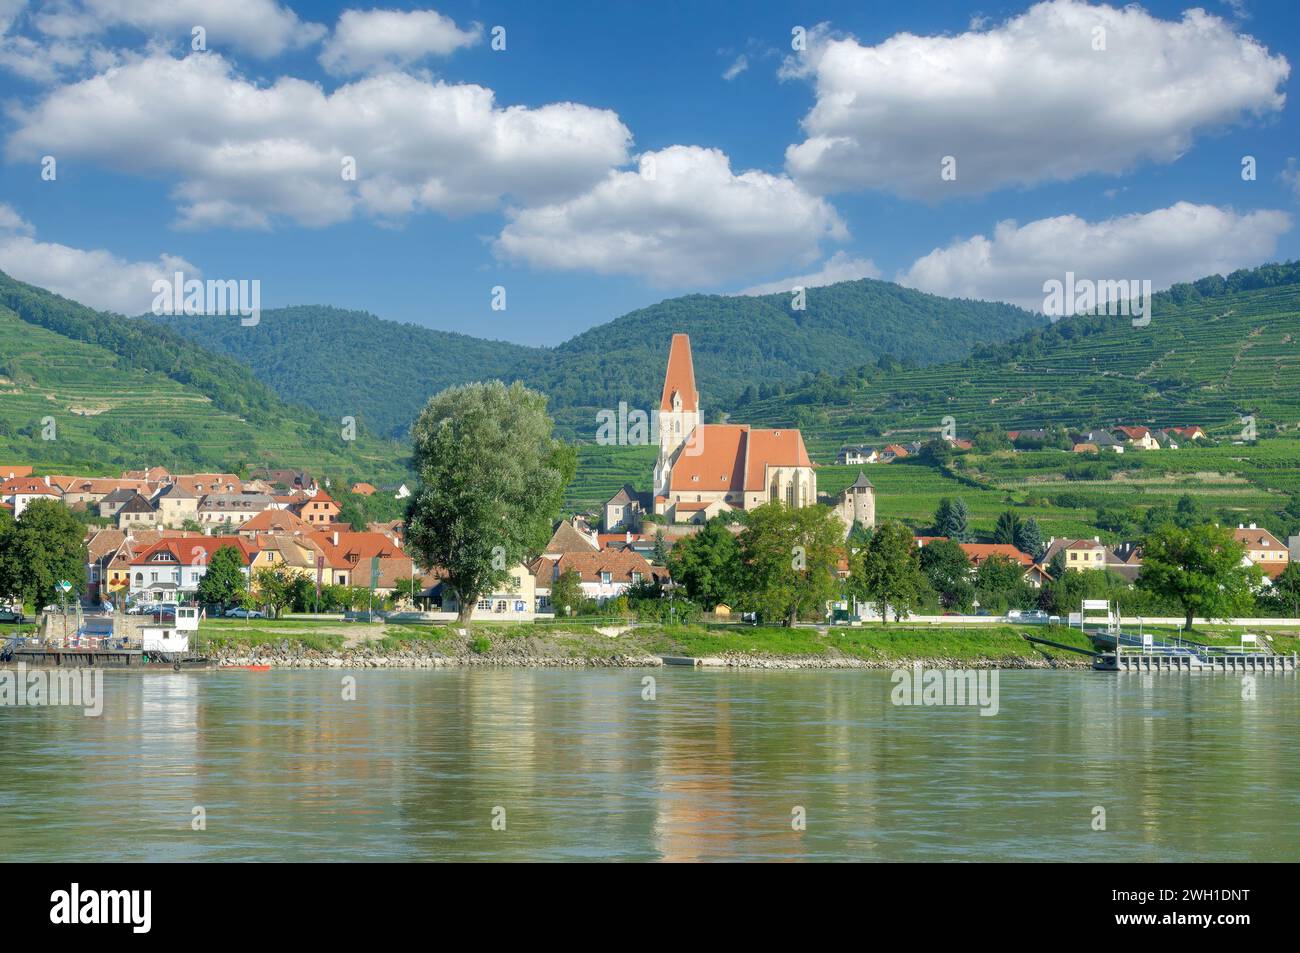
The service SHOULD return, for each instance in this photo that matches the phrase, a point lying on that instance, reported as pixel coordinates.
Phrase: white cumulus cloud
(841, 266)
(370, 40)
(262, 28)
(684, 218)
(245, 154)
(1030, 100)
(1180, 243)
(96, 278)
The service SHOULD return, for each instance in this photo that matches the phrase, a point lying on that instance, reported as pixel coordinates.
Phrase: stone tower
(857, 504)
(679, 409)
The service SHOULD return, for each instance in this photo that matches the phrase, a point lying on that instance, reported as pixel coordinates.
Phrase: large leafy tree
(43, 547)
(888, 571)
(788, 560)
(948, 569)
(491, 481)
(707, 565)
(275, 588)
(223, 581)
(1201, 569)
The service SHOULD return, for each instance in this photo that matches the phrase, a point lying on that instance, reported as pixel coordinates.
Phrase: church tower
(679, 409)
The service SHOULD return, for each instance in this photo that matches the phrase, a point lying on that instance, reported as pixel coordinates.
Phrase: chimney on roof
(336, 537)
(628, 538)
(1253, 526)
(1096, 539)
(1241, 526)
(47, 479)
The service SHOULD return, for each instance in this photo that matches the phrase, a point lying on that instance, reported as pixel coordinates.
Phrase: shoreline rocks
(362, 658)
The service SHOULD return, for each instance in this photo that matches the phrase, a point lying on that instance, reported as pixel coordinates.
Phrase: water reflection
(580, 766)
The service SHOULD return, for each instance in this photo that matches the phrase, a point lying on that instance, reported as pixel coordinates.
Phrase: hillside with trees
(317, 355)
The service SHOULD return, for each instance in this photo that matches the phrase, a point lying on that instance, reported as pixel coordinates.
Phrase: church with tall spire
(705, 469)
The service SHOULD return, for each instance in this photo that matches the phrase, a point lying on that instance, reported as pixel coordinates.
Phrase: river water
(538, 764)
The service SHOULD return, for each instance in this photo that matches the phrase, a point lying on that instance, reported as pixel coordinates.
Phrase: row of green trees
(785, 565)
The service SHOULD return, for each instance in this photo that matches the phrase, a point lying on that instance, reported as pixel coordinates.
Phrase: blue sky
(768, 166)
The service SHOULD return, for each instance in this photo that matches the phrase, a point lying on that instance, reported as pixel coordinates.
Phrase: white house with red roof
(171, 568)
(20, 491)
(705, 468)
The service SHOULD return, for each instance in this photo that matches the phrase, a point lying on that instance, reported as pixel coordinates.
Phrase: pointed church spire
(680, 378)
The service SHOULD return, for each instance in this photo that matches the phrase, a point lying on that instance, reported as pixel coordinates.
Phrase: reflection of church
(705, 469)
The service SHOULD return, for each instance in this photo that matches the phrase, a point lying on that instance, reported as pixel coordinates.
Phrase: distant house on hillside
(1101, 439)
(856, 455)
(1139, 437)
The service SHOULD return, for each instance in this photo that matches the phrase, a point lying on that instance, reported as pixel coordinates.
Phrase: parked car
(1034, 617)
(239, 612)
(11, 615)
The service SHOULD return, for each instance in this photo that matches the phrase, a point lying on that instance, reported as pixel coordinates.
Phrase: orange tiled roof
(271, 520)
(30, 486)
(193, 550)
(734, 457)
(978, 552)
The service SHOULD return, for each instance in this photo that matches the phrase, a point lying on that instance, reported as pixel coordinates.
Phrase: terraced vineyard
(1209, 362)
(67, 404)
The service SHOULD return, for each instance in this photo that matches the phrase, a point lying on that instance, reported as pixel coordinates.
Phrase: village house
(1034, 573)
(856, 455)
(229, 511)
(355, 558)
(514, 602)
(623, 510)
(137, 513)
(602, 575)
(1138, 437)
(176, 505)
(170, 570)
(21, 491)
(318, 510)
(1099, 439)
(1123, 559)
(739, 466)
(567, 538)
(1263, 549)
(271, 520)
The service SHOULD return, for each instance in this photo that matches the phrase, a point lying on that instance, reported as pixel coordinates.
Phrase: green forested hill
(382, 372)
(1215, 350)
(342, 362)
(114, 393)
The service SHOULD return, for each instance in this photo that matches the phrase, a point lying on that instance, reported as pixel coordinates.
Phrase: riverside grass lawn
(580, 638)
(1245, 482)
